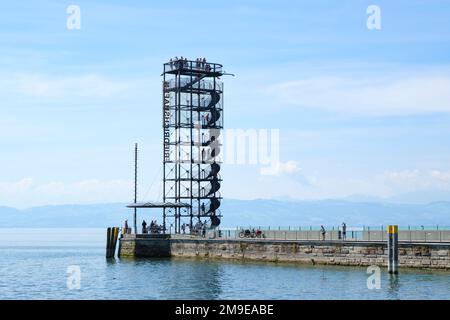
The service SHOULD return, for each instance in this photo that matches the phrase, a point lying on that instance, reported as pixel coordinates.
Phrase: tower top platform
(189, 67)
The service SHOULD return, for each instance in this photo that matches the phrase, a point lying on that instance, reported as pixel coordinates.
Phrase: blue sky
(360, 112)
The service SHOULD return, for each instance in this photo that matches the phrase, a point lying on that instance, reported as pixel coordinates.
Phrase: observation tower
(192, 122)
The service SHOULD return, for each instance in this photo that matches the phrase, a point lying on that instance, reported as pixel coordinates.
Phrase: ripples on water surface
(34, 263)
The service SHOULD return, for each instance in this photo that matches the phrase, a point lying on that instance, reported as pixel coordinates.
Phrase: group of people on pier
(153, 228)
(198, 229)
(342, 234)
(180, 63)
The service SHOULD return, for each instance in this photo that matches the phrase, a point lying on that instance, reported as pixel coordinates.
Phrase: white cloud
(288, 167)
(90, 85)
(395, 95)
(427, 183)
(442, 176)
(78, 89)
(284, 180)
(27, 192)
(414, 180)
(402, 175)
(278, 168)
(22, 185)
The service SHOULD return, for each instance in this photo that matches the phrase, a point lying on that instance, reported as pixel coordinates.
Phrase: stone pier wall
(144, 246)
(414, 255)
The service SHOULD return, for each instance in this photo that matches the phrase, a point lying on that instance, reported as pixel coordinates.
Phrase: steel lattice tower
(192, 124)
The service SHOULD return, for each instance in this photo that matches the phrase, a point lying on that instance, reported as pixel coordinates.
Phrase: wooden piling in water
(111, 240)
(108, 242)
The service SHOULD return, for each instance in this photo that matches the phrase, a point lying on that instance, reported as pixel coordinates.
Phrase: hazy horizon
(349, 199)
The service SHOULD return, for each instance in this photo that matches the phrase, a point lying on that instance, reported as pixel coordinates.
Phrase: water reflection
(191, 278)
(393, 286)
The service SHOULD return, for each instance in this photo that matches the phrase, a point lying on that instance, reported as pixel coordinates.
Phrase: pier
(411, 254)
(193, 118)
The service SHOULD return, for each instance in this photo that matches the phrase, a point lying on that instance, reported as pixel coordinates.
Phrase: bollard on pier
(392, 249)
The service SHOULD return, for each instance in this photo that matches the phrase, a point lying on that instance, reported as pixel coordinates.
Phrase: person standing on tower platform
(203, 208)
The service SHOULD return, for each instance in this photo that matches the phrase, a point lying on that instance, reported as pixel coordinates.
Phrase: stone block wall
(436, 256)
(430, 256)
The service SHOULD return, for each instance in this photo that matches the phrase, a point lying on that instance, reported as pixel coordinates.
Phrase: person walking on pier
(322, 232)
(183, 228)
(144, 226)
(125, 227)
(203, 230)
(344, 231)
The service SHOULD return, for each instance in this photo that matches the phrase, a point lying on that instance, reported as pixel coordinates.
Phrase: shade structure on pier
(159, 205)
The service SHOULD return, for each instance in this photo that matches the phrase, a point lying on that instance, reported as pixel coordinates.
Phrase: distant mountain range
(242, 213)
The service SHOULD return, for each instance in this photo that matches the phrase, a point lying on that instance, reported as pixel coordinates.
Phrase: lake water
(34, 265)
